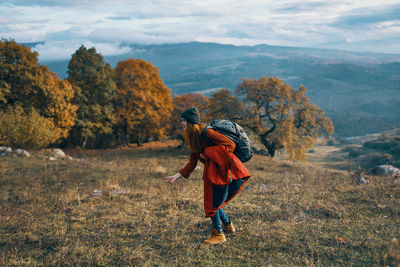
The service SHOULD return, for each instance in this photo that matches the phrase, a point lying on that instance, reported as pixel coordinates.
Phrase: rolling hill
(353, 88)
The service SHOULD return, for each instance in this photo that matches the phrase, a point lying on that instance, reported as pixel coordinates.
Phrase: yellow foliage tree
(26, 129)
(26, 84)
(223, 105)
(143, 102)
(283, 117)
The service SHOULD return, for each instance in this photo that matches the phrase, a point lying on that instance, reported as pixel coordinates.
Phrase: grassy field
(112, 207)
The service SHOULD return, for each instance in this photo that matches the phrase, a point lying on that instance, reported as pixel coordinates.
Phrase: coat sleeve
(220, 139)
(189, 167)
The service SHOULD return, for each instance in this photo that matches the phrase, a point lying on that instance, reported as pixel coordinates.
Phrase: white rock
(97, 193)
(361, 180)
(58, 153)
(52, 158)
(264, 186)
(116, 192)
(19, 151)
(387, 170)
(5, 149)
(22, 152)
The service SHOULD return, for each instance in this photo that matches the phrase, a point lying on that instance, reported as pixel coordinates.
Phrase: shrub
(354, 152)
(383, 143)
(395, 151)
(350, 148)
(371, 160)
(26, 130)
(333, 142)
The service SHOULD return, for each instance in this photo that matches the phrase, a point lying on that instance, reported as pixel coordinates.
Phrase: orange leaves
(223, 105)
(143, 102)
(57, 103)
(286, 118)
(34, 88)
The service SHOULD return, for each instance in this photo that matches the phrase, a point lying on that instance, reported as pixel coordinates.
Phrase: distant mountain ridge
(358, 85)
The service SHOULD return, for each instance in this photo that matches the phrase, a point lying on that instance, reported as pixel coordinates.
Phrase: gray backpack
(236, 133)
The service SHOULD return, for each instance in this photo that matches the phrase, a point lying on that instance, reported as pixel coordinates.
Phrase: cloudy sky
(357, 25)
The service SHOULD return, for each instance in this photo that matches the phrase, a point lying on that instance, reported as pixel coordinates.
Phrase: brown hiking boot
(229, 229)
(215, 238)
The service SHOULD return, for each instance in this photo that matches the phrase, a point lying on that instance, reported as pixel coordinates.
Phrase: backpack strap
(204, 134)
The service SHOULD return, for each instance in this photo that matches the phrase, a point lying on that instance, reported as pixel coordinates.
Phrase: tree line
(98, 106)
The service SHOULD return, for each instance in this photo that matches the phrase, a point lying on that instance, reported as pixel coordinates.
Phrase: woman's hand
(171, 179)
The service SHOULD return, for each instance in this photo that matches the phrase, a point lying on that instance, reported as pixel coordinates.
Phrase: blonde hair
(192, 135)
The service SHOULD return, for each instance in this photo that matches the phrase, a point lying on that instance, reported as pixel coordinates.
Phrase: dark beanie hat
(191, 115)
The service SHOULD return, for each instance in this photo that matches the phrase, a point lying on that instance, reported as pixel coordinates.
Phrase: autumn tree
(26, 85)
(143, 102)
(27, 129)
(180, 104)
(224, 105)
(282, 117)
(92, 80)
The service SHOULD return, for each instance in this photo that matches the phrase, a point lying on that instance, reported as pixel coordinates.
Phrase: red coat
(220, 166)
(218, 139)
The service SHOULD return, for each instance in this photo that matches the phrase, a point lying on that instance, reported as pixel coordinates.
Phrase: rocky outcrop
(53, 154)
(8, 151)
(387, 170)
(45, 154)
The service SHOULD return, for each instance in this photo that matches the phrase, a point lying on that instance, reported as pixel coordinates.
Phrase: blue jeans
(218, 217)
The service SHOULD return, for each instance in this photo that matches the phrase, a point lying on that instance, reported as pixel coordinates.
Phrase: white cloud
(141, 37)
(64, 49)
(109, 49)
(285, 22)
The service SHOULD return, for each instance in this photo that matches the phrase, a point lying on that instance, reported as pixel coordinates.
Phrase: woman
(224, 174)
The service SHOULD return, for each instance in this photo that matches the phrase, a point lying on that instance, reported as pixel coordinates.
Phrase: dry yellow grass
(289, 214)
